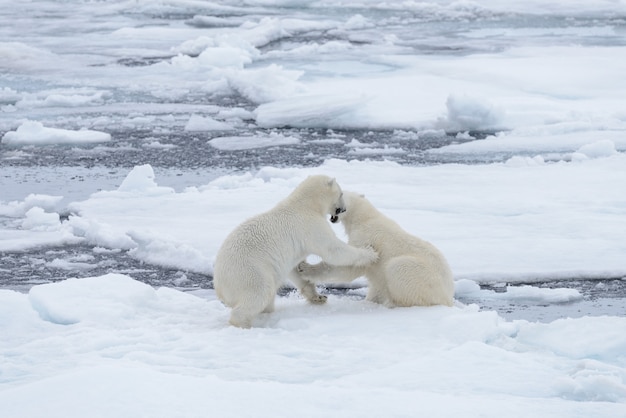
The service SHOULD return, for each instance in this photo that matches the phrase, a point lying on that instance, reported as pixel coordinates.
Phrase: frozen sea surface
(20, 271)
(134, 135)
(201, 90)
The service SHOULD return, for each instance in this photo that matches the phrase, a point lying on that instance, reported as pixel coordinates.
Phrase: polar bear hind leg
(251, 301)
(243, 313)
(413, 282)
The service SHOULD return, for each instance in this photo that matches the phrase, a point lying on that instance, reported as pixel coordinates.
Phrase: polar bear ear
(331, 181)
(362, 195)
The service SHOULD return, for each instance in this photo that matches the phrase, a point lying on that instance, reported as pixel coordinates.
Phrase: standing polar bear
(259, 254)
(409, 271)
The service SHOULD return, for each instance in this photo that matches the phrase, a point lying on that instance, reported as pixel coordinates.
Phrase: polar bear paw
(307, 270)
(318, 299)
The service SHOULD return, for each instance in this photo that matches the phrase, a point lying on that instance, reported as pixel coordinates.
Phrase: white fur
(262, 252)
(409, 271)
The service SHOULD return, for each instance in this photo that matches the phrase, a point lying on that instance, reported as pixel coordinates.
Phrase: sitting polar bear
(259, 254)
(409, 271)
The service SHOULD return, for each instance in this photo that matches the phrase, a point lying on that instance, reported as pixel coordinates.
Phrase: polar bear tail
(415, 282)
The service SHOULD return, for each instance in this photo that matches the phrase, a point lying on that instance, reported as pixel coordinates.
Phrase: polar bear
(262, 252)
(409, 270)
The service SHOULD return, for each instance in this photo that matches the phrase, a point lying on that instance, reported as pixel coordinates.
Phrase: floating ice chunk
(320, 111)
(34, 133)
(578, 156)
(194, 47)
(18, 209)
(326, 141)
(519, 161)
(386, 150)
(464, 135)
(533, 293)
(237, 143)
(40, 220)
(205, 123)
(357, 22)
(598, 149)
(466, 287)
(9, 96)
(99, 234)
(153, 250)
(267, 84)
(201, 21)
(21, 56)
(141, 180)
(62, 264)
(159, 145)
(355, 143)
(466, 113)
(235, 113)
(225, 57)
(63, 98)
(470, 288)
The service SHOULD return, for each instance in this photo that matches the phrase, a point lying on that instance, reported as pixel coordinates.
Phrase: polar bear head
(322, 193)
(354, 202)
(338, 206)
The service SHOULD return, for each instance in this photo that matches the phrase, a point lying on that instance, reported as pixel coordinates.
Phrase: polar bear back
(410, 271)
(390, 241)
(261, 240)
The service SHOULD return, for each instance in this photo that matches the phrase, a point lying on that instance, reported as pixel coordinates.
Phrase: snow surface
(157, 352)
(111, 346)
(515, 221)
(544, 78)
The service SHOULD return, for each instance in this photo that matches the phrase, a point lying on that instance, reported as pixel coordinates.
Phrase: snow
(161, 351)
(542, 80)
(545, 212)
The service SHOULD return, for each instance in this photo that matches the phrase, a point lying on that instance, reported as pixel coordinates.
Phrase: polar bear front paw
(305, 269)
(318, 299)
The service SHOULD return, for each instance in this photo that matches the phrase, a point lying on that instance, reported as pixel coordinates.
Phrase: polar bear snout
(335, 217)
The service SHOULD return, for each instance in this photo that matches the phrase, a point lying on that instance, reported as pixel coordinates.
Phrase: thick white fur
(409, 271)
(262, 252)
